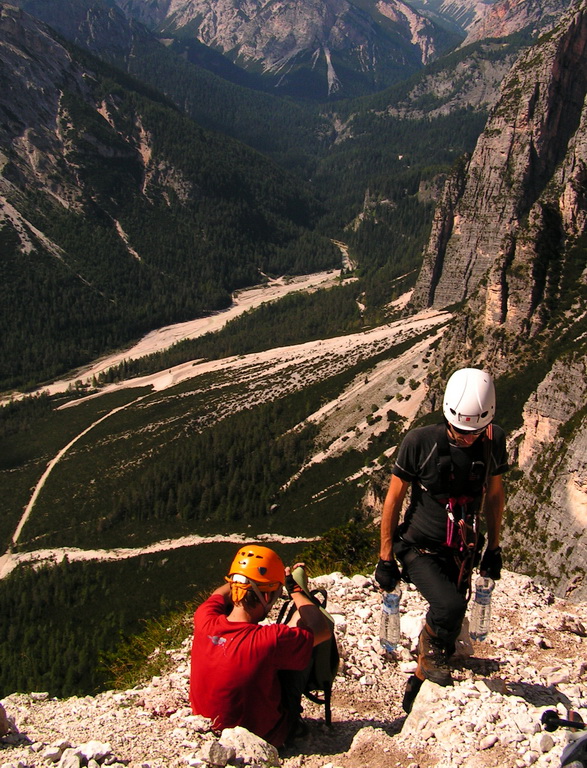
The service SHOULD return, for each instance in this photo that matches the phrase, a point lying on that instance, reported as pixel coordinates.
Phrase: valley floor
(163, 338)
(393, 385)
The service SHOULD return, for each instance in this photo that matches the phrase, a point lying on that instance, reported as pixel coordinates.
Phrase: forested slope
(291, 132)
(121, 214)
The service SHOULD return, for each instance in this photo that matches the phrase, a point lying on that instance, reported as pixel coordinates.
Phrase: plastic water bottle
(389, 630)
(481, 610)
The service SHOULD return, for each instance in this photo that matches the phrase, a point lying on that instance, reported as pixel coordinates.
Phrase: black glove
(292, 585)
(387, 574)
(491, 563)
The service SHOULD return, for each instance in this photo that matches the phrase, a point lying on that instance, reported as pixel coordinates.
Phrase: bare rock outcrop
(548, 508)
(533, 660)
(442, 229)
(39, 121)
(525, 183)
(507, 17)
(559, 396)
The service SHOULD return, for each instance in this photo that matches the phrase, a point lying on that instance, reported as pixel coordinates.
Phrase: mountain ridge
(505, 17)
(317, 49)
(91, 156)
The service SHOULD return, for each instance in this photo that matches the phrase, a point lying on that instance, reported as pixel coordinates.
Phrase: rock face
(532, 660)
(525, 185)
(94, 24)
(464, 12)
(548, 509)
(28, 126)
(320, 46)
(506, 17)
(472, 81)
(508, 240)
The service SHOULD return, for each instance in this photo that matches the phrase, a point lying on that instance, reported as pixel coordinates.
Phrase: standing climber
(455, 472)
(251, 675)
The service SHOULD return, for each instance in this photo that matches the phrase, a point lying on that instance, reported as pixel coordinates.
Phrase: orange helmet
(259, 565)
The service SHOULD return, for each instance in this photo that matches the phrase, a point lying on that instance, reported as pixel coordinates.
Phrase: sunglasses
(468, 431)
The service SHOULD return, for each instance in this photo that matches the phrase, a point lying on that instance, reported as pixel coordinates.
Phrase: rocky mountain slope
(461, 13)
(495, 18)
(93, 24)
(506, 17)
(527, 165)
(465, 80)
(90, 156)
(533, 660)
(508, 240)
(182, 71)
(310, 49)
(551, 496)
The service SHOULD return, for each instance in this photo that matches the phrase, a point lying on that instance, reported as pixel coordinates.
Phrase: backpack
(325, 656)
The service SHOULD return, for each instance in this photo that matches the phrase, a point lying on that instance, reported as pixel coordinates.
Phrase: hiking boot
(432, 659)
(298, 729)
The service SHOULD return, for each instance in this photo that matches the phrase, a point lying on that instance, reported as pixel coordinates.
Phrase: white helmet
(469, 399)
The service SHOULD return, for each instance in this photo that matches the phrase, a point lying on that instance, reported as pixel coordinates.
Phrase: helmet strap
(267, 605)
(248, 583)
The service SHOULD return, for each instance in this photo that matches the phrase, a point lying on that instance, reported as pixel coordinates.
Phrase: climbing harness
(463, 538)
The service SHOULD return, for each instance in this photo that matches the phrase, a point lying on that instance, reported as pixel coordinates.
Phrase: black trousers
(435, 576)
(293, 685)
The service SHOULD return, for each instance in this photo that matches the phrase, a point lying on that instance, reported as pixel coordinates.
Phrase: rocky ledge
(534, 659)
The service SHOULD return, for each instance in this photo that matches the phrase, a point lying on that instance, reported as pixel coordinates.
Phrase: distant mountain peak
(306, 47)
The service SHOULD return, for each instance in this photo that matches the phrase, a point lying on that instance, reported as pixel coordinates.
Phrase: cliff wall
(547, 526)
(508, 247)
(529, 164)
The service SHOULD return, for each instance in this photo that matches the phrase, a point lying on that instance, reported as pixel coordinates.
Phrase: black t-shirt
(418, 463)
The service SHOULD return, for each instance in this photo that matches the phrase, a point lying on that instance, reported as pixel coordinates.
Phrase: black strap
(444, 461)
(318, 596)
(443, 489)
(312, 691)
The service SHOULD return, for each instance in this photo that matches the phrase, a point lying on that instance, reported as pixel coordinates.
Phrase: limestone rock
(527, 135)
(504, 18)
(215, 753)
(250, 749)
(95, 750)
(492, 712)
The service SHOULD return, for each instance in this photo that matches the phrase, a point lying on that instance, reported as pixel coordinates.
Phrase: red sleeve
(210, 609)
(293, 646)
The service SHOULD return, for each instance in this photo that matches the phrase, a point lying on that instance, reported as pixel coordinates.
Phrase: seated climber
(247, 674)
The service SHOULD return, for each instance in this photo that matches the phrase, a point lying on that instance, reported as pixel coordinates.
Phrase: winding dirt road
(152, 342)
(264, 363)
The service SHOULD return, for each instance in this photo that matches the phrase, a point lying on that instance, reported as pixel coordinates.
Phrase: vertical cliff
(527, 169)
(509, 246)
(547, 508)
